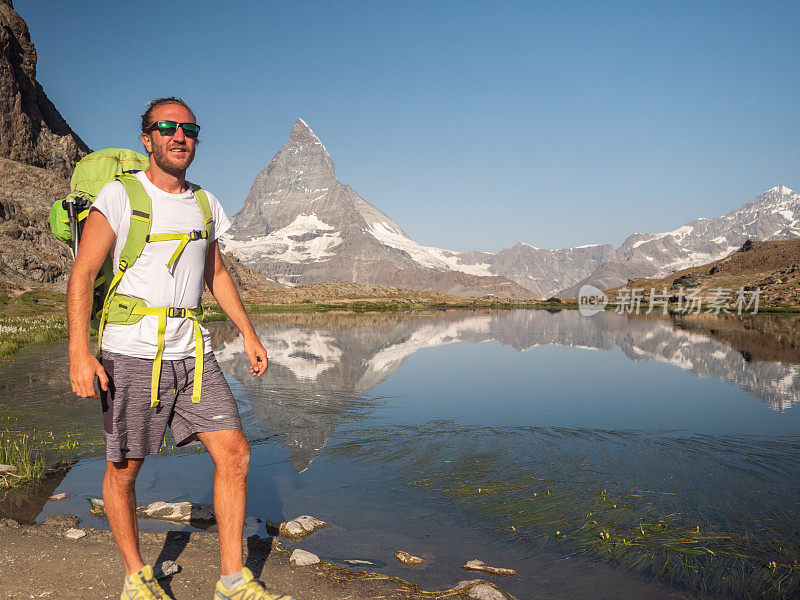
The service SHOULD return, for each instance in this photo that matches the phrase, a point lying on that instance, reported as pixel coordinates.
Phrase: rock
(61, 496)
(359, 563)
(98, 507)
(478, 589)
(300, 528)
(62, 521)
(7, 469)
(184, 512)
(165, 569)
(74, 534)
(479, 565)
(303, 558)
(178, 511)
(407, 559)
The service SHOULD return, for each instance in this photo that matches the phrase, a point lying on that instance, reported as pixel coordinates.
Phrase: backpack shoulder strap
(141, 219)
(205, 207)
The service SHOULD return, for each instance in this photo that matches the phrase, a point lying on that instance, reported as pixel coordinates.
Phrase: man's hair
(147, 117)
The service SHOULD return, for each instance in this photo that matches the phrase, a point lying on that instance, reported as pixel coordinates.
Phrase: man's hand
(257, 354)
(82, 372)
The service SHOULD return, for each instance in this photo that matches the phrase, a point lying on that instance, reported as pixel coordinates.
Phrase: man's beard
(164, 159)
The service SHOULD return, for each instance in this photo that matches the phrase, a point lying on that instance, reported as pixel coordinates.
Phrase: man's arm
(221, 285)
(95, 244)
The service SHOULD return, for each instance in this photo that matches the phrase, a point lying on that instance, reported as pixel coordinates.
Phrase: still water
(603, 456)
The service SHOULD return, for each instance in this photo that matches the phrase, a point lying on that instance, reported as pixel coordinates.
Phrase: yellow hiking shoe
(143, 586)
(251, 589)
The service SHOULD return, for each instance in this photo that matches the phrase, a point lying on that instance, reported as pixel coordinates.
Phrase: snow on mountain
(300, 224)
(773, 215)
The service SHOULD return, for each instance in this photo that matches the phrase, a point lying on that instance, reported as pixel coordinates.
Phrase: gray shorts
(132, 429)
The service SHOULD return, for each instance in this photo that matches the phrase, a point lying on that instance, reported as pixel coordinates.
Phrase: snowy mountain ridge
(300, 224)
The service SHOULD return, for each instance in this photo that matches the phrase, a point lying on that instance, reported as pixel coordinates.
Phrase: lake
(600, 456)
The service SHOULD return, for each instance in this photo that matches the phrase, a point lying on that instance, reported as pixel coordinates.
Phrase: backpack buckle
(196, 235)
(176, 312)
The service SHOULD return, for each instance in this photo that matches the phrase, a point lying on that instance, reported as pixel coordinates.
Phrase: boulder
(300, 528)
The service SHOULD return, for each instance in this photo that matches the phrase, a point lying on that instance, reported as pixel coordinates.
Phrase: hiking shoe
(143, 586)
(251, 589)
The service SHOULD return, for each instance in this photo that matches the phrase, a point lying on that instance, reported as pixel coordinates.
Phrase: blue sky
(474, 125)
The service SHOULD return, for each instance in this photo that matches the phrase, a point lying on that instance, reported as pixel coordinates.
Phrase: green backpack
(67, 217)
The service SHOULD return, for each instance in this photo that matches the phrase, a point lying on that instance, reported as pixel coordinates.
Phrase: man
(150, 375)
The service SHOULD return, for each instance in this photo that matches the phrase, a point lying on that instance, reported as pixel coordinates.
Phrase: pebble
(165, 569)
(359, 563)
(61, 496)
(74, 534)
(407, 559)
(303, 558)
(479, 565)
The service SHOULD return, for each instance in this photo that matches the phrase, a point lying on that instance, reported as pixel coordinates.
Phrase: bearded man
(156, 367)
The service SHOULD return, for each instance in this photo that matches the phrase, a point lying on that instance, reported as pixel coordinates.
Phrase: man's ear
(148, 143)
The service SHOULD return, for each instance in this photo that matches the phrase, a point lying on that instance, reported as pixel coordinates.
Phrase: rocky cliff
(32, 131)
(38, 151)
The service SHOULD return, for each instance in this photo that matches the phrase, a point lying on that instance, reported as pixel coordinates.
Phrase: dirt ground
(40, 562)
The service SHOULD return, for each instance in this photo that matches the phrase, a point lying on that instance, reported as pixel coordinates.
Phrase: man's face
(172, 153)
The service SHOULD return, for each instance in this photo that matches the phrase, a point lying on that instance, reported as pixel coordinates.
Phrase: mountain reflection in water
(322, 366)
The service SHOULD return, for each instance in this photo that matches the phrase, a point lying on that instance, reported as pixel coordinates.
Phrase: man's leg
(119, 496)
(230, 451)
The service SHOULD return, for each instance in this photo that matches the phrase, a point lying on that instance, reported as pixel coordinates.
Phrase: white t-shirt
(149, 278)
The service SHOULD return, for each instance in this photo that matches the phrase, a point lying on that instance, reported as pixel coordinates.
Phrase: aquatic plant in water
(713, 513)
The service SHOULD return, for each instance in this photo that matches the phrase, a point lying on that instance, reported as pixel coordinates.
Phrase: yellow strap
(162, 327)
(178, 250)
(163, 313)
(112, 288)
(185, 238)
(198, 361)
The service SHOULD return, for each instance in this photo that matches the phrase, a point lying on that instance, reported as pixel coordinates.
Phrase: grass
(25, 455)
(16, 331)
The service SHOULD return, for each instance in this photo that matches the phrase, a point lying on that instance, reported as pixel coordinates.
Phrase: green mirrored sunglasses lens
(190, 129)
(167, 127)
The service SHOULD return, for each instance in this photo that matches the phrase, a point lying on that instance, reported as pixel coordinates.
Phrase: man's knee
(241, 454)
(124, 472)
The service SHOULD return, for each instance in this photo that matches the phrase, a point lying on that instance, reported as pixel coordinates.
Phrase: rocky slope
(29, 253)
(38, 151)
(773, 215)
(32, 131)
(301, 225)
(771, 267)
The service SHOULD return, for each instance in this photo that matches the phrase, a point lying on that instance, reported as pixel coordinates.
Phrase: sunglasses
(190, 130)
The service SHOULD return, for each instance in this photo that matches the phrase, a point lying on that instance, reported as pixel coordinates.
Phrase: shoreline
(47, 564)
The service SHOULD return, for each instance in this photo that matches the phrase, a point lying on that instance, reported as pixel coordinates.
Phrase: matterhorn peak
(303, 134)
